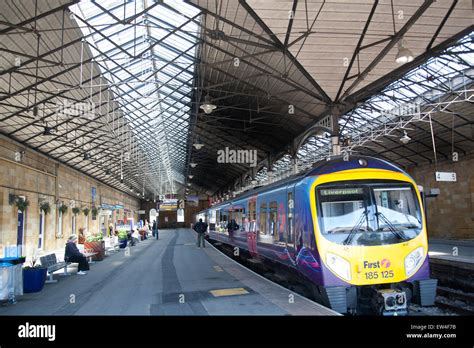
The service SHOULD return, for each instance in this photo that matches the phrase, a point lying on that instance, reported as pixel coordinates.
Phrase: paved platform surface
(170, 276)
(461, 251)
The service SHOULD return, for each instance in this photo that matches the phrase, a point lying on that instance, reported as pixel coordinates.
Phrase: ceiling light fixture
(404, 55)
(198, 146)
(190, 176)
(193, 165)
(48, 131)
(207, 106)
(405, 138)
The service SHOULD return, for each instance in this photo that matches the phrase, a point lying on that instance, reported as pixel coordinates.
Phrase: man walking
(155, 229)
(200, 228)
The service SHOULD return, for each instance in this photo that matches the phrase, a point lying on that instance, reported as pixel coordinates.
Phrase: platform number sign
(446, 176)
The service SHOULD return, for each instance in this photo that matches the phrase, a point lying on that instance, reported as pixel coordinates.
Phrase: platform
(452, 249)
(170, 276)
(452, 262)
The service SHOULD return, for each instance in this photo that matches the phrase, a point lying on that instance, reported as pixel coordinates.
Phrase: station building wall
(450, 215)
(41, 179)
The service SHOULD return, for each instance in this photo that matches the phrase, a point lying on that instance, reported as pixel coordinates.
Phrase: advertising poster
(180, 215)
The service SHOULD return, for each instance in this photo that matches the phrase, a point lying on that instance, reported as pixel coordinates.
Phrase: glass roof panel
(149, 63)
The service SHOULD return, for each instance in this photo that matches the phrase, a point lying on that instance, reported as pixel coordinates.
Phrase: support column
(335, 137)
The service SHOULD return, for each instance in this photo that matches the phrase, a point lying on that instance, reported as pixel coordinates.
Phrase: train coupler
(391, 302)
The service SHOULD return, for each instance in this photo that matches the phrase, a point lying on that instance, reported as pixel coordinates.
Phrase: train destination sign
(169, 205)
(344, 191)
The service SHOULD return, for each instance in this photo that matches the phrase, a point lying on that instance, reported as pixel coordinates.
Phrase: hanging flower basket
(63, 209)
(94, 211)
(76, 210)
(86, 211)
(22, 204)
(45, 207)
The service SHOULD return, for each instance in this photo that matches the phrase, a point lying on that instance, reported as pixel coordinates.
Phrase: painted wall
(451, 214)
(40, 179)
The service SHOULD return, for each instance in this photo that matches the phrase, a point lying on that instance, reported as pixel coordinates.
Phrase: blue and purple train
(354, 230)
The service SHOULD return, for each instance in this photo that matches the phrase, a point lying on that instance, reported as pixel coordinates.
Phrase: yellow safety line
(228, 292)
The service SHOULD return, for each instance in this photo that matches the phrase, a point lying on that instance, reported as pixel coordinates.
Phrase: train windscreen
(368, 213)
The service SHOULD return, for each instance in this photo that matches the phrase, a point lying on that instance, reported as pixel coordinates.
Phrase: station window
(273, 219)
(263, 219)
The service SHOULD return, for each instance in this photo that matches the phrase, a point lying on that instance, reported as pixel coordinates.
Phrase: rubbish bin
(11, 279)
(8, 282)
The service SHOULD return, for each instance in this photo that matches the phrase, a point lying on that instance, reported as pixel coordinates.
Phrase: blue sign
(94, 191)
(20, 231)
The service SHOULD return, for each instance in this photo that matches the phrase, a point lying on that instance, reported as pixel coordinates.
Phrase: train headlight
(339, 266)
(413, 260)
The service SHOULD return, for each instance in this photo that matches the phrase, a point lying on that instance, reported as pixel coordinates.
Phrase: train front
(371, 236)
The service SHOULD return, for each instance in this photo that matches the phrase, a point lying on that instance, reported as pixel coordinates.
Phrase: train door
(252, 227)
(290, 226)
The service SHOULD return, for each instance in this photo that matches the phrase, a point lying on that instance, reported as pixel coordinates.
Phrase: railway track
(461, 303)
(449, 300)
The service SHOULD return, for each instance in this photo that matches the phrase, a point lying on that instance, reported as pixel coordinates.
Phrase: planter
(33, 279)
(123, 243)
(96, 247)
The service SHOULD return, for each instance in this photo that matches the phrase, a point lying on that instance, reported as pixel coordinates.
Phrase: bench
(50, 261)
(88, 254)
(111, 245)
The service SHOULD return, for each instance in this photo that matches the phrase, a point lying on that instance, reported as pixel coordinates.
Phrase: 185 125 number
(382, 274)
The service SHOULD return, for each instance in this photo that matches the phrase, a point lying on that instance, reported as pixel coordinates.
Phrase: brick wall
(450, 215)
(40, 179)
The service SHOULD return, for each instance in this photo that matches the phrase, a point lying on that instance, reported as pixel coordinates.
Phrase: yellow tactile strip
(228, 292)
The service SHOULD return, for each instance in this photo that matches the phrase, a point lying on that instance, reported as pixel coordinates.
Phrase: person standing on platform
(200, 228)
(155, 229)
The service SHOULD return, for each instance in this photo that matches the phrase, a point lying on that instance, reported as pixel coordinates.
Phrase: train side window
(263, 219)
(223, 221)
(273, 220)
(239, 215)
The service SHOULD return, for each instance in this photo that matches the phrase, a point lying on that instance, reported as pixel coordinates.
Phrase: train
(352, 229)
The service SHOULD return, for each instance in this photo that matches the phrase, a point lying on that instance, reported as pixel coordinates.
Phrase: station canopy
(117, 89)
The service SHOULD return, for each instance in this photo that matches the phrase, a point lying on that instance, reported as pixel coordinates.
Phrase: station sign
(169, 205)
(111, 206)
(446, 176)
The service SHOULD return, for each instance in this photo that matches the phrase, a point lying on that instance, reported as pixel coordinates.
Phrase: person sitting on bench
(72, 254)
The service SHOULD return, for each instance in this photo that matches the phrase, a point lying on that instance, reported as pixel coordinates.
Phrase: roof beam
(395, 38)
